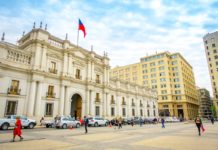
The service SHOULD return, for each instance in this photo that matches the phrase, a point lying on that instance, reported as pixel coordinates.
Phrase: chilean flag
(82, 27)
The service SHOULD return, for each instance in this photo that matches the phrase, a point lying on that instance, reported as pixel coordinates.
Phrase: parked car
(49, 123)
(97, 121)
(66, 122)
(5, 123)
(171, 119)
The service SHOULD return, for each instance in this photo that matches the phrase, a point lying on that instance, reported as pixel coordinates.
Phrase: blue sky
(126, 29)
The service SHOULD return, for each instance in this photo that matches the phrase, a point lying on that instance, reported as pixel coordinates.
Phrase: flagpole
(78, 38)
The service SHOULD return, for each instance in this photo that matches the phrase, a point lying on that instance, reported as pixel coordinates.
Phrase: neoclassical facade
(45, 76)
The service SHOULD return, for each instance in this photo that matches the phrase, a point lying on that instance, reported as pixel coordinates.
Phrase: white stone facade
(43, 75)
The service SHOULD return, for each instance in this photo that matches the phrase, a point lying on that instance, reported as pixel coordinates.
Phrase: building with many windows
(45, 76)
(205, 103)
(172, 76)
(211, 50)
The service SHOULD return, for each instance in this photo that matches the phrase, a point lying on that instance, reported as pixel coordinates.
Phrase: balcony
(97, 100)
(50, 95)
(52, 70)
(14, 90)
(78, 77)
(123, 103)
(112, 102)
(98, 81)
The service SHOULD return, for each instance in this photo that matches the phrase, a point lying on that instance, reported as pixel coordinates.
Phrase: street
(176, 136)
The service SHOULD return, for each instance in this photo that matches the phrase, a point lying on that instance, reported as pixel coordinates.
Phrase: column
(31, 101)
(38, 100)
(65, 64)
(129, 106)
(44, 58)
(67, 102)
(61, 102)
(84, 104)
(89, 70)
(93, 103)
(90, 102)
(37, 58)
(87, 102)
(118, 106)
(93, 71)
(69, 65)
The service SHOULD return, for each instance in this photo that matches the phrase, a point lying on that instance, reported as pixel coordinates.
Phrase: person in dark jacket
(212, 120)
(162, 122)
(86, 123)
(198, 123)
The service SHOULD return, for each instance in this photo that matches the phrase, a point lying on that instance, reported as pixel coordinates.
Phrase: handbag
(202, 128)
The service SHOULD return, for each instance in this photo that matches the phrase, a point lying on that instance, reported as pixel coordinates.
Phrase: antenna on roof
(91, 47)
(3, 36)
(34, 25)
(46, 27)
(23, 33)
(40, 24)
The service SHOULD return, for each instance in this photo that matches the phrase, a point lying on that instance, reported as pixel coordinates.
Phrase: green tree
(213, 110)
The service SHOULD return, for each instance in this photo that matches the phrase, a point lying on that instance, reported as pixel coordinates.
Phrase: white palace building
(45, 76)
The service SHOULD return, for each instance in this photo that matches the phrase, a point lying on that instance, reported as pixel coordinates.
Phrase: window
(208, 53)
(112, 99)
(177, 86)
(153, 69)
(145, 71)
(216, 57)
(154, 113)
(176, 74)
(213, 45)
(11, 108)
(97, 110)
(162, 73)
(152, 64)
(14, 88)
(153, 81)
(50, 92)
(124, 112)
(53, 67)
(144, 65)
(161, 62)
(145, 82)
(123, 101)
(148, 112)
(112, 111)
(141, 112)
(48, 109)
(177, 92)
(175, 68)
(163, 85)
(176, 80)
(174, 62)
(97, 99)
(214, 51)
(163, 91)
(153, 75)
(178, 97)
(162, 79)
(154, 86)
(97, 78)
(133, 112)
(78, 76)
(209, 59)
(164, 97)
(205, 42)
(161, 68)
(145, 77)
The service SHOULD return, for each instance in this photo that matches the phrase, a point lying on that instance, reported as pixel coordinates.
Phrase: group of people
(117, 123)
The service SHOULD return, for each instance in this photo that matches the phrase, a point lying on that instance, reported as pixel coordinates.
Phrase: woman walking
(17, 129)
(198, 123)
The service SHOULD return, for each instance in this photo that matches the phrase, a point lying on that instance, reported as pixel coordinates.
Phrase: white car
(97, 121)
(49, 123)
(5, 123)
(67, 122)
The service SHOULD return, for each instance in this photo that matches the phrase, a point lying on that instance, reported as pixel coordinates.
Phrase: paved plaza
(176, 136)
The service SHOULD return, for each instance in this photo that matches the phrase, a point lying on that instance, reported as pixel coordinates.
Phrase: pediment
(79, 54)
(98, 69)
(54, 55)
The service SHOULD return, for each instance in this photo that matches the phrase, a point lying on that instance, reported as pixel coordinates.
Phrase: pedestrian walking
(86, 123)
(17, 129)
(132, 122)
(212, 120)
(41, 121)
(119, 123)
(162, 122)
(198, 123)
(115, 124)
(140, 121)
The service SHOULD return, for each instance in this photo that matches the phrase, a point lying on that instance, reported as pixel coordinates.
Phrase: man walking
(86, 123)
(162, 122)
(17, 129)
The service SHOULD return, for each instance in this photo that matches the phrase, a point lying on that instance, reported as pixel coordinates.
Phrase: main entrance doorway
(76, 106)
